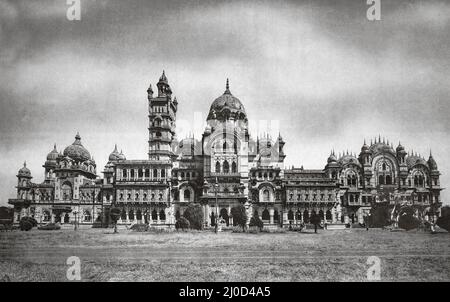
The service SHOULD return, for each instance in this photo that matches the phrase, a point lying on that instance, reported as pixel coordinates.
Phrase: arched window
(306, 216)
(384, 167)
(233, 168)
(187, 195)
(388, 179)
(162, 215)
(136, 196)
(420, 180)
(224, 146)
(155, 173)
(381, 180)
(328, 215)
(226, 167)
(276, 217)
(265, 215)
(217, 167)
(154, 215)
(87, 215)
(354, 180)
(290, 215)
(163, 173)
(160, 196)
(66, 190)
(266, 195)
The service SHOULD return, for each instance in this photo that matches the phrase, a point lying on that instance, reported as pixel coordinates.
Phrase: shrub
(194, 214)
(114, 213)
(239, 215)
(27, 223)
(182, 223)
(444, 222)
(408, 222)
(139, 227)
(50, 226)
(98, 225)
(379, 215)
(255, 221)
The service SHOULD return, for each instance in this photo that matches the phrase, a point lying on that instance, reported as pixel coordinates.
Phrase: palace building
(227, 167)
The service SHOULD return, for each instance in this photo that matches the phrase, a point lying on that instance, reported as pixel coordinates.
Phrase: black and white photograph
(232, 142)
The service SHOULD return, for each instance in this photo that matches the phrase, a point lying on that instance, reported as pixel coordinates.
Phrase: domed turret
(115, 155)
(122, 156)
(53, 155)
(365, 147)
(227, 107)
(76, 151)
(400, 148)
(332, 158)
(24, 171)
(432, 163)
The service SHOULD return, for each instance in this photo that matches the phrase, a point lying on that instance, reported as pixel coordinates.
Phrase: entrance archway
(224, 215)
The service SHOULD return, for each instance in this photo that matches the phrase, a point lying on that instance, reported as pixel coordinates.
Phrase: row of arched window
(225, 167)
(143, 173)
(145, 197)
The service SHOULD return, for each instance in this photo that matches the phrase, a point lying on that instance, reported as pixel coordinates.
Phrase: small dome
(115, 155)
(24, 171)
(413, 160)
(76, 151)
(332, 158)
(432, 163)
(365, 147)
(226, 106)
(122, 156)
(400, 148)
(349, 159)
(53, 155)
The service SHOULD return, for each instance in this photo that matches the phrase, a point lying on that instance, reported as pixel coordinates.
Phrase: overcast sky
(328, 75)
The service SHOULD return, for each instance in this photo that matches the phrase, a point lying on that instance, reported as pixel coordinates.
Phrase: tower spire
(227, 87)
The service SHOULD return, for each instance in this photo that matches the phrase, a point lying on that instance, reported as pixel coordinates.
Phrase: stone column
(127, 217)
(271, 212)
(134, 216)
(142, 217)
(285, 218)
(208, 213)
(157, 218)
(333, 215)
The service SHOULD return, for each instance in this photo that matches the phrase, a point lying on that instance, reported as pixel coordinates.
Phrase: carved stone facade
(227, 167)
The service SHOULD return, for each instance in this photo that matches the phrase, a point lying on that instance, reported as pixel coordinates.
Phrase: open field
(204, 256)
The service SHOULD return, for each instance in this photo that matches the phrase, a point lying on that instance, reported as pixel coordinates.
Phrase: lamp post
(216, 188)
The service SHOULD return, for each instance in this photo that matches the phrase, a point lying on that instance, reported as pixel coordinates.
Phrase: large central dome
(227, 107)
(76, 151)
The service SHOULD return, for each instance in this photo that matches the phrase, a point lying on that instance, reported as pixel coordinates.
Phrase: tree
(194, 214)
(379, 215)
(114, 213)
(182, 223)
(239, 215)
(27, 223)
(315, 220)
(255, 221)
(444, 220)
(406, 218)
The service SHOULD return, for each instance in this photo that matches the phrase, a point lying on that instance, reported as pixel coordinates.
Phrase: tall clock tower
(162, 112)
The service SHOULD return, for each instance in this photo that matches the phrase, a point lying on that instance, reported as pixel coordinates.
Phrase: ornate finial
(25, 164)
(54, 146)
(150, 89)
(431, 155)
(227, 87)
(364, 141)
(78, 137)
(371, 142)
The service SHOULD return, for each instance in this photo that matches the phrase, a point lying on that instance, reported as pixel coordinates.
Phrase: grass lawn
(204, 256)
